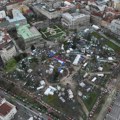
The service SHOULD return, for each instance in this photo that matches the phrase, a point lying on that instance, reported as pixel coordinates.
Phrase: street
(23, 112)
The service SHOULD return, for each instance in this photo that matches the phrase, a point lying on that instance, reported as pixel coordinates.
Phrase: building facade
(72, 21)
(9, 19)
(115, 26)
(7, 48)
(30, 35)
(8, 52)
(117, 4)
(7, 110)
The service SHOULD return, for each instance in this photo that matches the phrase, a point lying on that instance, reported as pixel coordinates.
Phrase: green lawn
(104, 80)
(107, 42)
(106, 67)
(66, 107)
(59, 33)
(97, 35)
(10, 65)
(52, 100)
(91, 99)
(113, 37)
(112, 45)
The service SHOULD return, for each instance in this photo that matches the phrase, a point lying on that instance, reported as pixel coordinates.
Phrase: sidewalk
(106, 105)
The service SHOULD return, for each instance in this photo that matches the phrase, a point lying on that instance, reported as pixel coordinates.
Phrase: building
(3, 2)
(50, 91)
(74, 20)
(117, 4)
(77, 58)
(7, 110)
(46, 11)
(30, 35)
(50, 12)
(115, 26)
(7, 48)
(66, 5)
(9, 19)
(96, 19)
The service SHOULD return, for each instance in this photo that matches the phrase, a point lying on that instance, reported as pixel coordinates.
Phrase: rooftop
(2, 14)
(27, 32)
(4, 38)
(73, 16)
(17, 15)
(5, 108)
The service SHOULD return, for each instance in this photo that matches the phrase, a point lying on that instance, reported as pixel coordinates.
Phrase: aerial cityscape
(59, 59)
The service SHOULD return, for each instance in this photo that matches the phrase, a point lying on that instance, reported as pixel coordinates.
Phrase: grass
(59, 33)
(97, 35)
(104, 81)
(107, 42)
(10, 65)
(52, 100)
(99, 108)
(112, 36)
(112, 45)
(66, 107)
(106, 67)
(91, 99)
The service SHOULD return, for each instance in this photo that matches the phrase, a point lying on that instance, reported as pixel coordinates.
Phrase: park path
(83, 106)
(95, 73)
(106, 105)
(69, 80)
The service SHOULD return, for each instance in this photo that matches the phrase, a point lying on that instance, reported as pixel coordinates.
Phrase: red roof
(5, 108)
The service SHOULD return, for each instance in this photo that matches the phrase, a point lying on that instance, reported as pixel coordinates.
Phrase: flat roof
(73, 16)
(26, 31)
(17, 16)
(5, 108)
(2, 14)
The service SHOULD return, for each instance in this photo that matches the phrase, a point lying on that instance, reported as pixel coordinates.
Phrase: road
(106, 105)
(23, 112)
(109, 99)
(114, 114)
(38, 99)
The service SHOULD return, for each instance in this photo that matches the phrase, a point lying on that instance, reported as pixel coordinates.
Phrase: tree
(32, 47)
(56, 74)
(35, 60)
(23, 65)
(20, 56)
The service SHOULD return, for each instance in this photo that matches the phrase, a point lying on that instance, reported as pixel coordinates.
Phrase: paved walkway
(109, 100)
(68, 79)
(83, 106)
(106, 105)
(95, 73)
